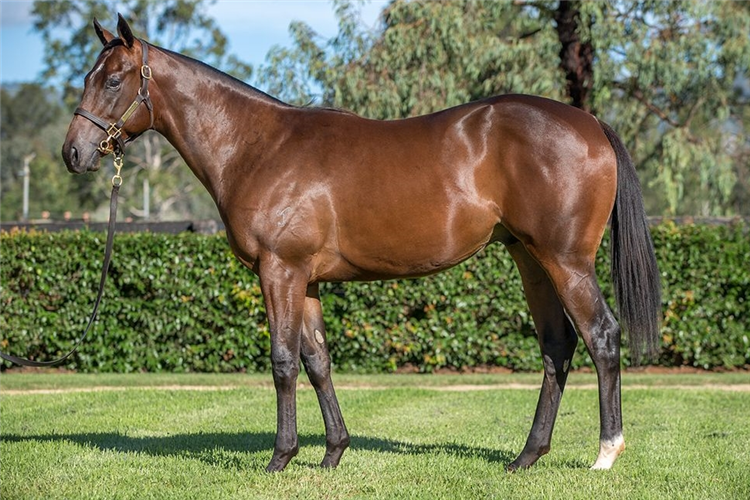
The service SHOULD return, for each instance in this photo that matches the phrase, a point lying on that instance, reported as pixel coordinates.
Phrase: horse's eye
(113, 83)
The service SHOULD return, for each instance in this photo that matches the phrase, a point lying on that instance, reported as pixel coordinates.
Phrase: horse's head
(110, 113)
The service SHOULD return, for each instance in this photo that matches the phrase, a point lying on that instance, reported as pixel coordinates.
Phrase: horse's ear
(104, 35)
(124, 31)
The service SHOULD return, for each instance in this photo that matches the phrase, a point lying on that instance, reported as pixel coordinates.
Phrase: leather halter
(114, 130)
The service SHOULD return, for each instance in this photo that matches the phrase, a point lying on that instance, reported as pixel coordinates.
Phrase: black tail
(635, 274)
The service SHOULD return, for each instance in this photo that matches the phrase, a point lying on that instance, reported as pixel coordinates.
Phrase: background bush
(184, 303)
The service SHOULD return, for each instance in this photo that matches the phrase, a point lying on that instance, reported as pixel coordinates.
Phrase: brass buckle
(146, 72)
(106, 147)
(113, 132)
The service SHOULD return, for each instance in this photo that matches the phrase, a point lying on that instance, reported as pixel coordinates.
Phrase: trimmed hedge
(184, 303)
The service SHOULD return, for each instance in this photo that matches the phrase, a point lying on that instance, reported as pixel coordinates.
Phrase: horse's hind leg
(576, 285)
(317, 363)
(557, 339)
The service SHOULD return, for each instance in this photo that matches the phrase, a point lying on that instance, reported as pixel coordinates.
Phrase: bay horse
(313, 195)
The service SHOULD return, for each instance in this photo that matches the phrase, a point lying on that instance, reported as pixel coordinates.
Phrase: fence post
(26, 173)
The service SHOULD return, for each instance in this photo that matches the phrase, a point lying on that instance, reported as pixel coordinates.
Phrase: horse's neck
(215, 123)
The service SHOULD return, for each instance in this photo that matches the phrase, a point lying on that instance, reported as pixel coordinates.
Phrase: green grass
(156, 436)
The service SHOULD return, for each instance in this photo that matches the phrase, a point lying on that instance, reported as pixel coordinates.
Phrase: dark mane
(244, 87)
(334, 110)
(234, 82)
(238, 84)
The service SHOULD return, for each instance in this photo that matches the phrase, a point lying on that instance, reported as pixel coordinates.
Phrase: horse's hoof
(276, 466)
(331, 460)
(280, 460)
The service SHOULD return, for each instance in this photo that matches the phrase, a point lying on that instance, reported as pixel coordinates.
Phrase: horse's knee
(556, 368)
(284, 365)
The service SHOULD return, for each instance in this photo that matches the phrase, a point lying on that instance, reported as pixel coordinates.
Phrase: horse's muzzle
(80, 159)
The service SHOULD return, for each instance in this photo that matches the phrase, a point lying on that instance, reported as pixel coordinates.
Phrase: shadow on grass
(204, 446)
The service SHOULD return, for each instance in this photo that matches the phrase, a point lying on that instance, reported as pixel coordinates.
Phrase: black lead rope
(114, 132)
(116, 182)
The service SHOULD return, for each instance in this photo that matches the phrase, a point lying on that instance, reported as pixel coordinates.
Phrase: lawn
(436, 436)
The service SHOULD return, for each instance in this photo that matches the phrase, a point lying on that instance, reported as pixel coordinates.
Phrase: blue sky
(252, 26)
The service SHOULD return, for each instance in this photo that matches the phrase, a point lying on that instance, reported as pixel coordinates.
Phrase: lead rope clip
(117, 179)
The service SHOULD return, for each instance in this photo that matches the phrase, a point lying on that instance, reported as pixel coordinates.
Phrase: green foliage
(428, 56)
(184, 303)
(32, 126)
(669, 77)
(70, 50)
(71, 47)
(27, 109)
(472, 315)
(173, 303)
(706, 280)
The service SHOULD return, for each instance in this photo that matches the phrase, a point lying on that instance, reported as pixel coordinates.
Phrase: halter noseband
(114, 130)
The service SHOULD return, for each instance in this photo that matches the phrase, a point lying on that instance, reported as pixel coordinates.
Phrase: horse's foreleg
(317, 363)
(284, 295)
(557, 340)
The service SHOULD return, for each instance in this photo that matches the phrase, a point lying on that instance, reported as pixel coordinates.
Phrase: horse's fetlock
(338, 443)
(286, 448)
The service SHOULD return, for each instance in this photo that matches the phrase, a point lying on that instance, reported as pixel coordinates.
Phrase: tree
(27, 109)
(424, 57)
(668, 75)
(182, 25)
(32, 115)
(576, 53)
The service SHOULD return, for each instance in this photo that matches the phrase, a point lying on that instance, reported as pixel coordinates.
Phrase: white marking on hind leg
(609, 450)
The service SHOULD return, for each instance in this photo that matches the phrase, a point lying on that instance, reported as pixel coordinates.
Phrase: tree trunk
(576, 57)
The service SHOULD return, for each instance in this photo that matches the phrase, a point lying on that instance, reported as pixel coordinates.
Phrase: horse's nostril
(74, 155)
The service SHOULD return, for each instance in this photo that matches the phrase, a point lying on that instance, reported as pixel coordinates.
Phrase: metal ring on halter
(105, 147)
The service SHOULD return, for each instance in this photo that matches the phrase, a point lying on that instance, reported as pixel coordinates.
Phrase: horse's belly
(412, 244)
